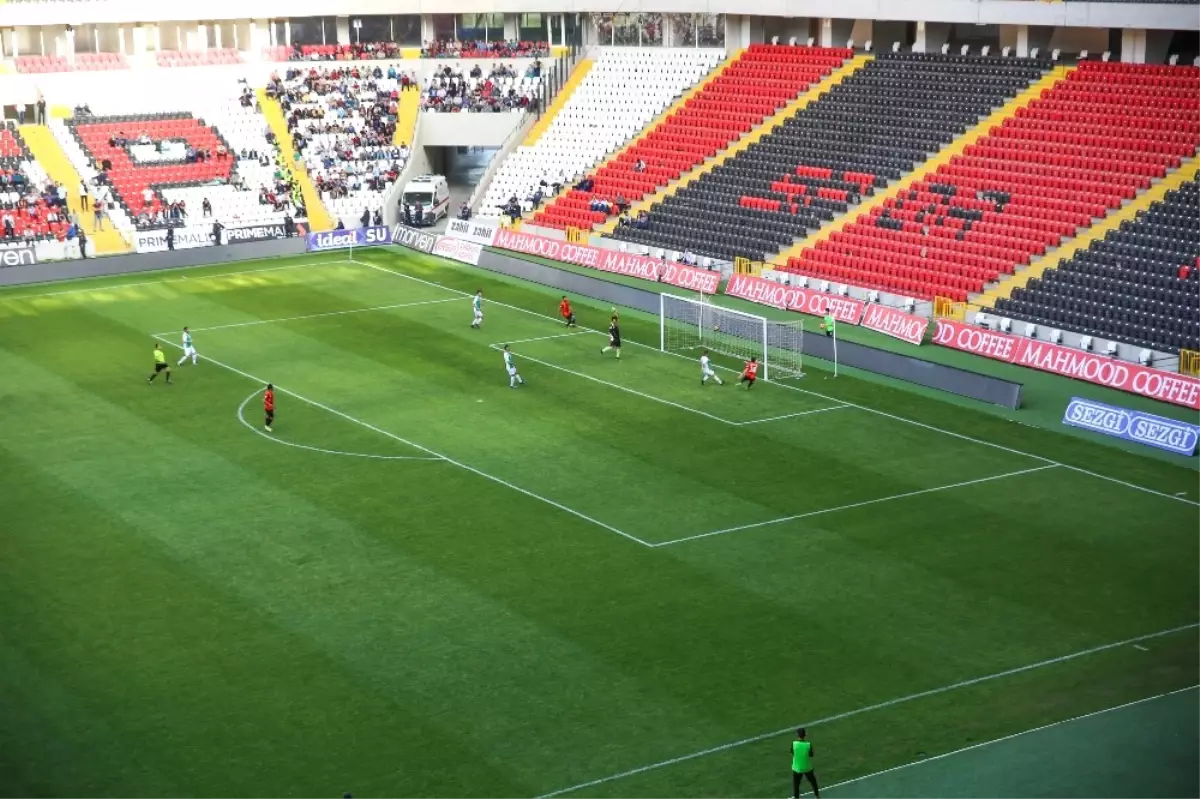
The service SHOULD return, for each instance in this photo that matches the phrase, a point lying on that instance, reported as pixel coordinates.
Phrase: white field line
(868, 409)
(1051, 725)
(855, 505)
(179, 279)
(793, 415)
(241, 415)
(540, 338)
(635, 392)
(313, 316)
(425, 449)
(900, 700)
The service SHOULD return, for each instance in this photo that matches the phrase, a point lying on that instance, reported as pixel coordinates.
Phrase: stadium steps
(564, 94)
(1187, 171)
(318, 217)
(46, 150)
(407, 110)
(926, 169)
(768, 126)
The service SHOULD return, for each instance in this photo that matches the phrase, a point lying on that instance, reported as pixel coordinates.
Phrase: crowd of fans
(343, 124)
(451, 48)
(501, 89)
(344, 52)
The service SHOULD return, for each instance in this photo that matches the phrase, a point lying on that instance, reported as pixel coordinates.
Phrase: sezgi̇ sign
(1136, 426)
(413, 239)
(249, 233)
(20, 255)
(186, 238)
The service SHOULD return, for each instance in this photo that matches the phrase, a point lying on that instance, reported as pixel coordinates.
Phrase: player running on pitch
(564, 310)
(510, 366)
(614, 336)
(750, 373)
(477, 306)
(160, 364)
(706, 371)
(189, 349)
(269, 407)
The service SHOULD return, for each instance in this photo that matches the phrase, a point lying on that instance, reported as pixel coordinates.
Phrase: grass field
(609, 582)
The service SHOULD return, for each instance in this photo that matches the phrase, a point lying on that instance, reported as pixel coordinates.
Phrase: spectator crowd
(451, 48)
(361, 51)
(501, 89)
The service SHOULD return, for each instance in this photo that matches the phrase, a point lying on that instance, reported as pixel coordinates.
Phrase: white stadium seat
(622, 93)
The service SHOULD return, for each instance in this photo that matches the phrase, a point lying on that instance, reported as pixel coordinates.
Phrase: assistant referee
(802, 755)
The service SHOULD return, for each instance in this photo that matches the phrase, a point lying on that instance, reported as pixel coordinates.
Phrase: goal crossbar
(689, 325)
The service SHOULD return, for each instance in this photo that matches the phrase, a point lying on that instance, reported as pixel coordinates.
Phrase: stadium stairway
(1188, 171)
(46, 150)
(318, 215)
(880, 198)
(408, 108)
(766, 127)
(564, 94)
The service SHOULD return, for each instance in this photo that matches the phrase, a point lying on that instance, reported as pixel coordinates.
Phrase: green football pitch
(611, 581)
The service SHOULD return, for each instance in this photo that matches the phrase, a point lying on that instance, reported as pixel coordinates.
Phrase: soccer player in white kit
(706, 370)
(477, 306)
(510, 366)
(189, 351)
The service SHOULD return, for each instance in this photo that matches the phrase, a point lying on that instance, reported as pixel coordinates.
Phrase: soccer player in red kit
(564, 309)
(269, 406)
(750, 373)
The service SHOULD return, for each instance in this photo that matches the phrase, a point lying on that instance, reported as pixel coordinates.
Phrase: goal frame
(764, 326)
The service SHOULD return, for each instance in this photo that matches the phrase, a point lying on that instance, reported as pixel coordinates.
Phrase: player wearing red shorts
(564, 310)
(750, 373)
(269, 407)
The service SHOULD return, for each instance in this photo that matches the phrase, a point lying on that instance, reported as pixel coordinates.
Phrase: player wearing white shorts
(510, 366)
(706, 371)
(189, 350)
(477, 305)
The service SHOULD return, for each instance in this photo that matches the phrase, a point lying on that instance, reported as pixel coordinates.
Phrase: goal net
(687, 326)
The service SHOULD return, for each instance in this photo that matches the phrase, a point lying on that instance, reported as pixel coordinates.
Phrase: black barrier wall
(962, 382)
(122, 264)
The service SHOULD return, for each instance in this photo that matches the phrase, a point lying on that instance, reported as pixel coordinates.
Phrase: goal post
(687, 326)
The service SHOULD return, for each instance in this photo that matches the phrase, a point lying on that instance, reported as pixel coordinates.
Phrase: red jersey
(751, 369)
(269, 401)
(564, 308)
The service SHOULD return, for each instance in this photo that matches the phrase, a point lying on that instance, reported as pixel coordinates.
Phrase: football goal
(687, 326)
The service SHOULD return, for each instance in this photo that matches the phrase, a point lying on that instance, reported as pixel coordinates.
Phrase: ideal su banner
(1134, 378)
(679, 275)
(340, 239)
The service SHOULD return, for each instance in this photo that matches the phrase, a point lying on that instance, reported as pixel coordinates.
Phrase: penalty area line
(900, 700)
(313, 316)
(793, 415)
(853, 505)
(422, 448)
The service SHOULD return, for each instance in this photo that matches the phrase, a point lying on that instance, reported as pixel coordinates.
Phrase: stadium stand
(1088, 144)
(1139, 285)
(197, 58)
(219, 153)
(502, 88)
(622, 92)
(29, 207)
(449, 48)
(755, 85)
(343, 124)
(874, 126)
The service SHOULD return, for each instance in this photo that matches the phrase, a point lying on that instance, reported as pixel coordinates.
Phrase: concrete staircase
(318, 216)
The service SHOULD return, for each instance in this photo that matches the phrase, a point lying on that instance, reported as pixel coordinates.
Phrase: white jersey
(705, 365)
(509, 364)
(187, 340)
